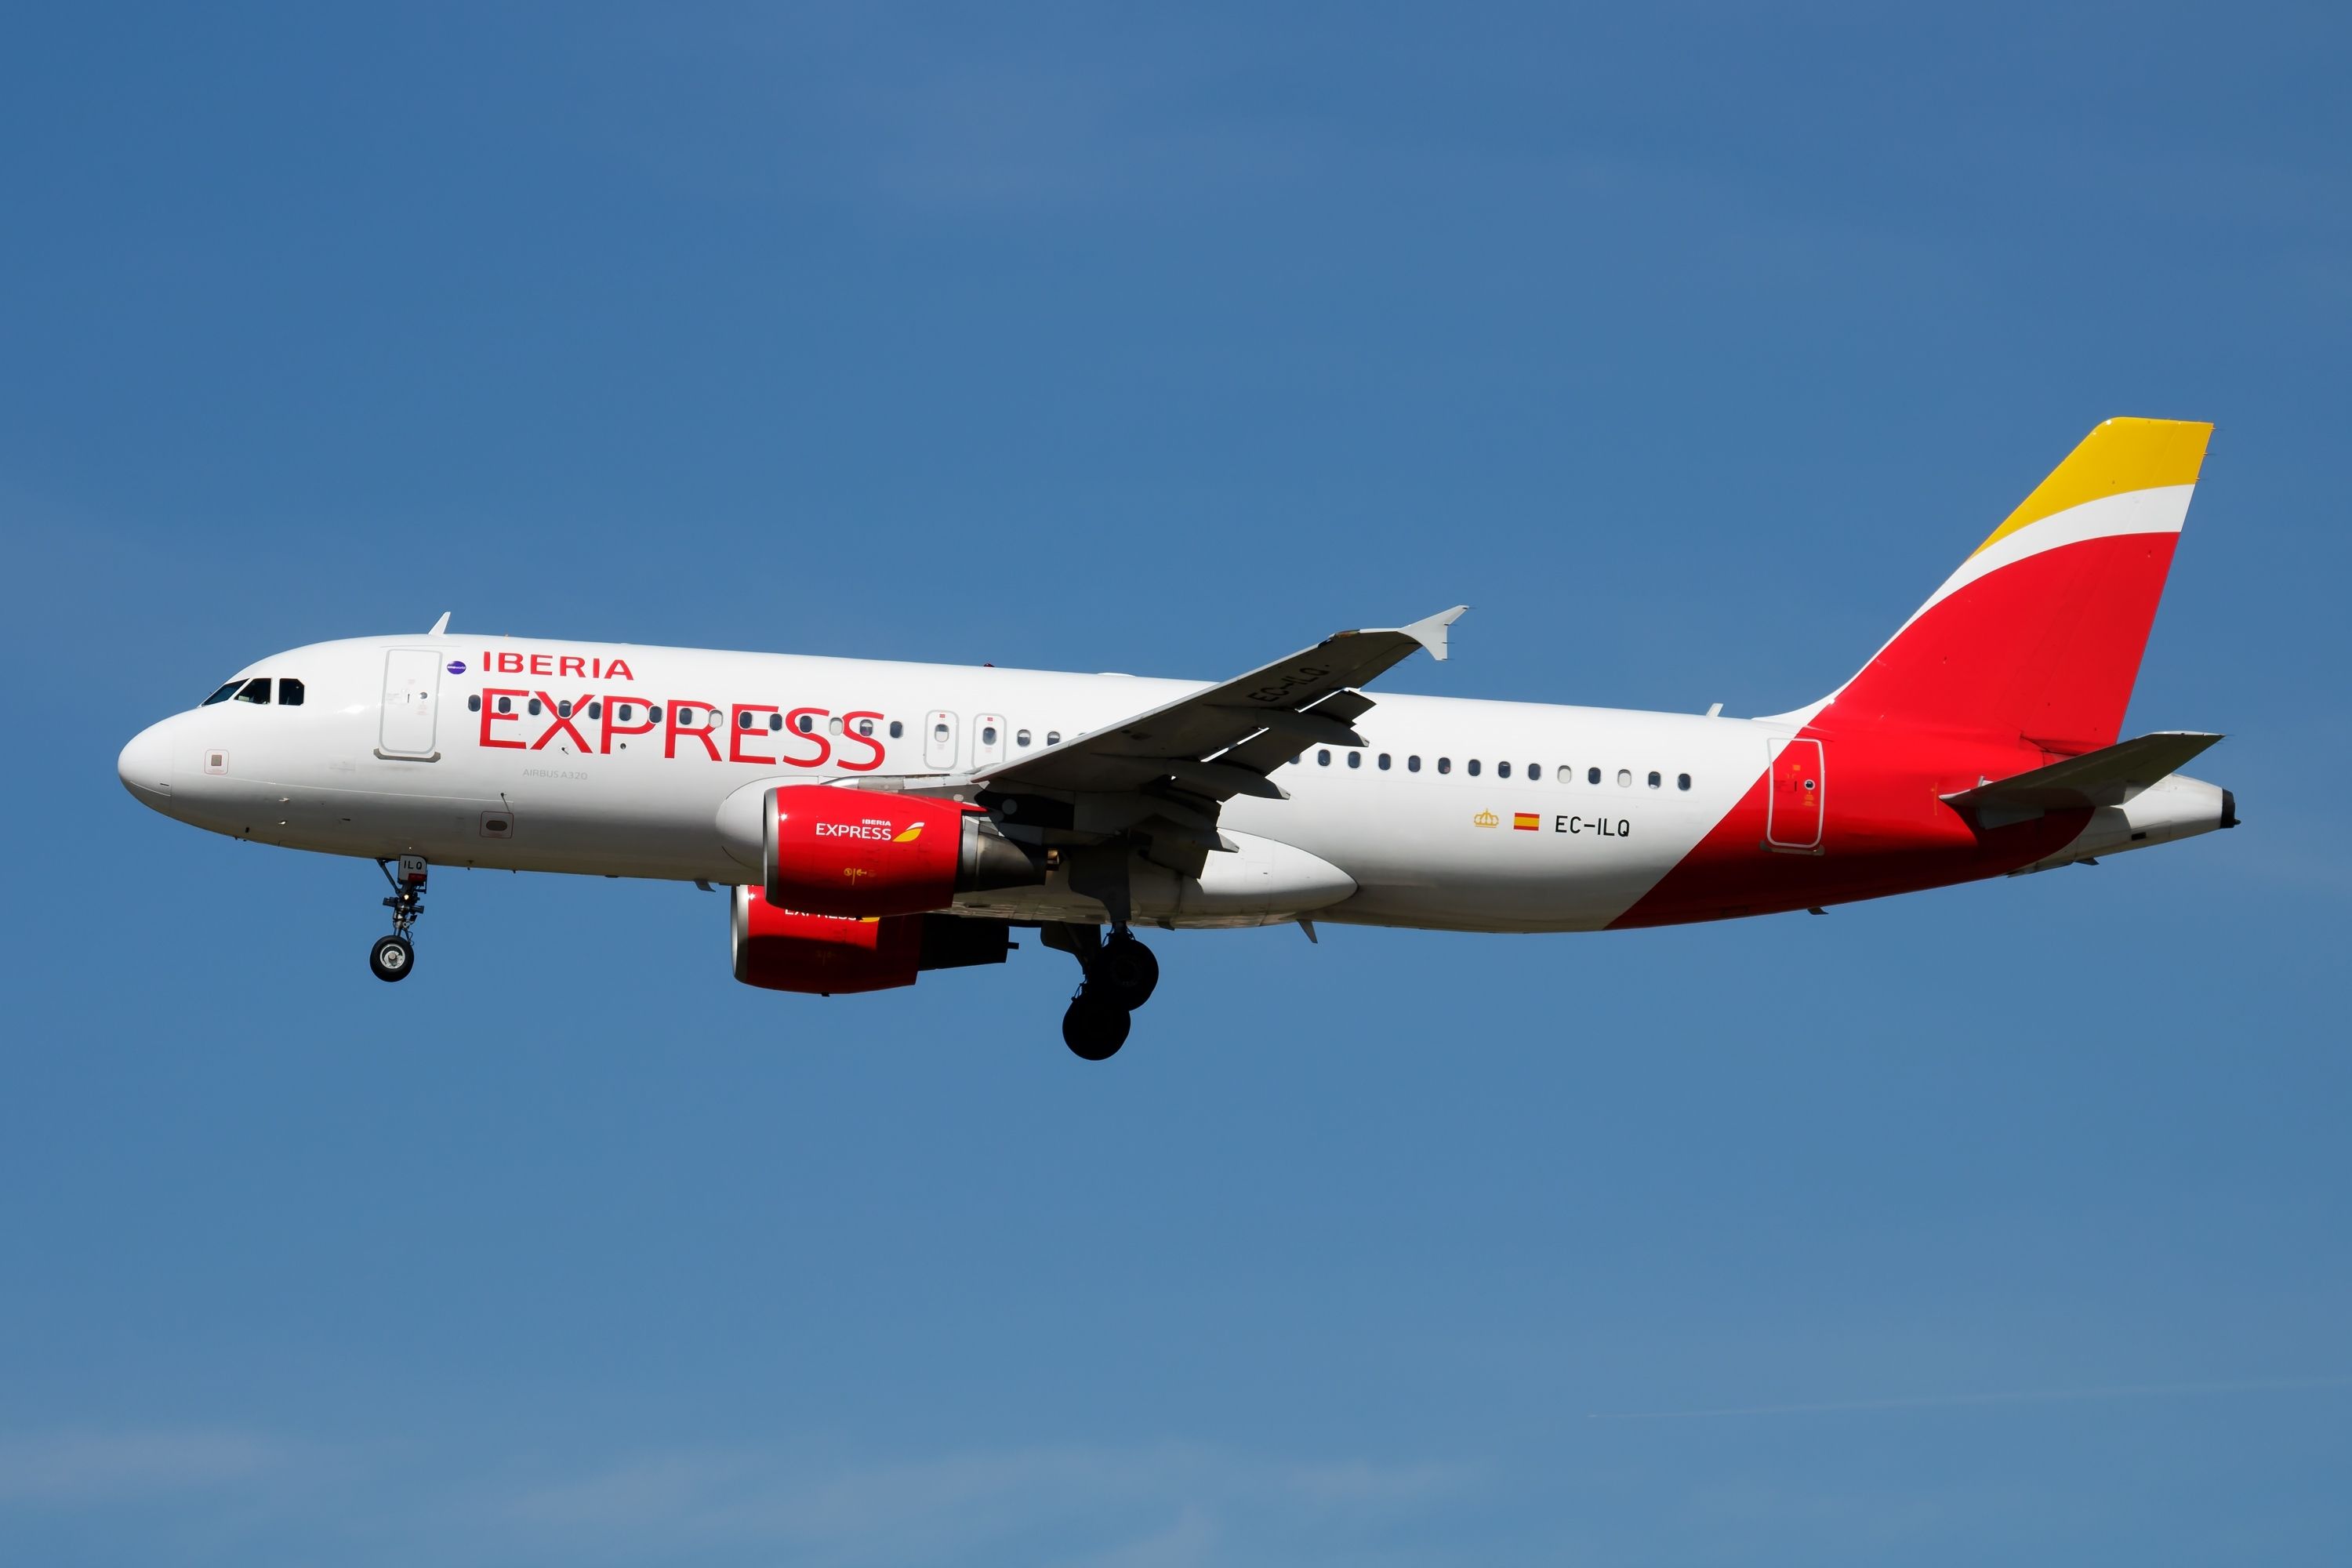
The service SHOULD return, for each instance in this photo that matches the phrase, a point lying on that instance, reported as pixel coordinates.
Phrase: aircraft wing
(2108, 776)
(1222, 742)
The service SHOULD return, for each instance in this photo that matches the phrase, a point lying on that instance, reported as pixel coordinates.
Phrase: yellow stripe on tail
(2118, 456)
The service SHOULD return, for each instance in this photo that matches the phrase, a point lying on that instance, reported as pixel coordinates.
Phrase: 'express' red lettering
(852, 733)
(562, 722)
(736, 733)
(814, 733)
(672, 729)
(490, 715)
(614, 724)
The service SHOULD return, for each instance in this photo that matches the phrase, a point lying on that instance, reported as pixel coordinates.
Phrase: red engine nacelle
(784, 950)
(855, 852)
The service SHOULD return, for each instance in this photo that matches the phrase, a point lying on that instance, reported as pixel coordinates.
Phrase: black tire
(391, 958)
(1124, 973)
(1093, 1028)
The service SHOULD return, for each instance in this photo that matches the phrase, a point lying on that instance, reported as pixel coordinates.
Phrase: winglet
(1431, 633)
(440, 626)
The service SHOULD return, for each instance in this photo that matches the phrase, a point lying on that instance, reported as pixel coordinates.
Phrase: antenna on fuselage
(440, 626)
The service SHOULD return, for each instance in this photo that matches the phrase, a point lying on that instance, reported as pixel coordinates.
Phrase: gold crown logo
(1487, 819)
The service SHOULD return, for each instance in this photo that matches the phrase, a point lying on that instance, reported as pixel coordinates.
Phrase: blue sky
(1691, 346)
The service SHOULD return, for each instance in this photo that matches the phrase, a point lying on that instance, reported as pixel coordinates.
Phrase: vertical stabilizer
(2039, 634)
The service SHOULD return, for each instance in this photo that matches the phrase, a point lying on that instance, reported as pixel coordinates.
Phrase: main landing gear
(1121, 975)
(394, 956)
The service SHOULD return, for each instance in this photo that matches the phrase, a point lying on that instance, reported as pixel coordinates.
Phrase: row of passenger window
(289, 692)
(687, 712)
(1474, 768)
(806, 723)
(942, 734)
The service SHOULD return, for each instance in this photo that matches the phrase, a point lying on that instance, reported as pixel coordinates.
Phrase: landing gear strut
(394, 956)
(1121, 975)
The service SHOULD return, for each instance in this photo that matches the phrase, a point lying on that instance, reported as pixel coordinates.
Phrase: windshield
(222, 695)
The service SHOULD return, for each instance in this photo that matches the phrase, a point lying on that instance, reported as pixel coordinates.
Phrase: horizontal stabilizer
(2110, 776)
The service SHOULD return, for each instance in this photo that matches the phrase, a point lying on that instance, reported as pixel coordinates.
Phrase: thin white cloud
(82, 1468)
(1168, 1503)
(2014, 1396)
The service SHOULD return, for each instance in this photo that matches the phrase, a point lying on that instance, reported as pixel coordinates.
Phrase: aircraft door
(987, 738)
(1792, 811)
(412, 691)
(939, 742)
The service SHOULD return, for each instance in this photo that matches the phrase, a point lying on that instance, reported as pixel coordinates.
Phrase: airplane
(876, 820)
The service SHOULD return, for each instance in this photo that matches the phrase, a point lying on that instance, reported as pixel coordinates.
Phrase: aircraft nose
(145, 767)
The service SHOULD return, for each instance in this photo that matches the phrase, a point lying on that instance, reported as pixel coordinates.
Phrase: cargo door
(412, 691)
(1792, 813)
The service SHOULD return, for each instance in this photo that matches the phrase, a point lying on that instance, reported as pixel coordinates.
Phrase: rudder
(2039, 634)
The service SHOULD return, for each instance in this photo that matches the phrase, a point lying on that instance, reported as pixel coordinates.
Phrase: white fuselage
(1421, 827)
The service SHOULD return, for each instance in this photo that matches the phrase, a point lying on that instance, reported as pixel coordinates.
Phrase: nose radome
(144, 767)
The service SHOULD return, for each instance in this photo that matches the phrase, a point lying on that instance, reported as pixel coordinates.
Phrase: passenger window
(1682, 781)
(256, 690)
(1384, 761)
(595, 710)
(1624, 778)
(563, 707)
(289, 692)
(1412, 764)
(506, 704)
(1053, 737)
(746, 720)
(988, 734)
(805, 723)
(1474, 768)
(896, 729)
(1655, 780)
(653, 711)
(1445, 765)
(534, 707)
(222, 695)
(621, 712)
(1355, 759)
(1567, 773)
(866, 727)
(1593, 776)
(1323, 759)
(775, 722)
(833, 725)
(1535, 772)
(473, 703)
(1020, 737)
(938, 732)
(1502, 770)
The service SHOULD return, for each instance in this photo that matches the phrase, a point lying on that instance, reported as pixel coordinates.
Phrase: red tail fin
(2039, 634)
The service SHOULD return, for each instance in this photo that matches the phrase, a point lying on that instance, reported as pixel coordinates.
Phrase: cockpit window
(222, 695)
(256, 690)
(289, 692)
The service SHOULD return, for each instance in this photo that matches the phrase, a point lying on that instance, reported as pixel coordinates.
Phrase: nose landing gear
(394, 956)
(1121, 975)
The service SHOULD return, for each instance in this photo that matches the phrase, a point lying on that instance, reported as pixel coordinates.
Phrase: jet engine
(860, 853)
(785, 950)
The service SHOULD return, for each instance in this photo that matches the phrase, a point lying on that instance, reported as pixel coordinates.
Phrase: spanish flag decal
(909, 836)
(1525, 821)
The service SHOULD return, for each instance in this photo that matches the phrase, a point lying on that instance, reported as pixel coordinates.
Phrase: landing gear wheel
(393, 957)
(1123, 971)
(1094, 1028)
